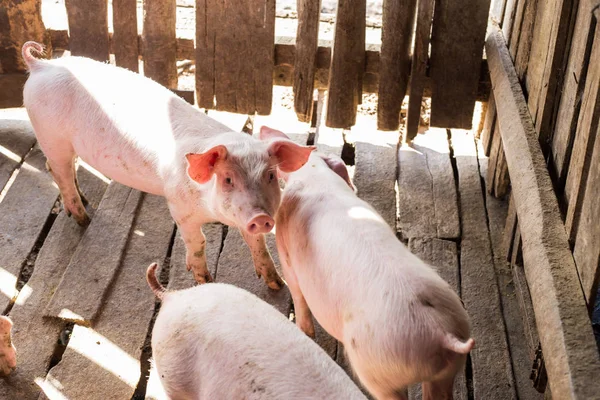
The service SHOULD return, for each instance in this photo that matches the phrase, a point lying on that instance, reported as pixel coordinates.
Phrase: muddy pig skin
(140, 134)
(399, 321)
(218, 341)
(8, 353)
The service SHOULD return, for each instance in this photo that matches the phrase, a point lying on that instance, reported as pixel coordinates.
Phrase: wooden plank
(516, 28)
(88, 28)
(428, 205)
(587, 244)
(125, 38)
(23, 214)
(508, 18)
(572, 89)
(347, 64)
(418, 68)
(396, 38)
(487, 132)
(375, 172)
(16, 139)
(159, 38)
(492, 370)
(510, 297)
(496, 149)
(307, 43)
(456, 47)
(443, 256)
(584, 141)
(104, 362)
(21, 21)
(12, 89)
(525, 39)
(501, 177)
(563, 323)
(509, 230)
(234, 55)
(544, 72)
(87, 279)
(34, 336)
(497, 10)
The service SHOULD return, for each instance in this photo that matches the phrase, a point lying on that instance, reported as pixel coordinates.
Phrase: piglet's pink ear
(290, 156)
(338, 166)
(270, 133)
(201, 167)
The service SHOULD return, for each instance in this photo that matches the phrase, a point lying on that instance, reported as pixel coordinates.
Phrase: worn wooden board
(125, 37)
(347, 64)
(510, 295)
(12, 89)
(497, 10)
(23, 214)
(418, 71)
(501, 177)
(34, 336)
(88, 28)
(525, 37)
(509, 230)
(307, 42)
(427, 204)
(159, 39)
(375, 172)
(495, 150)
(104, 362)
(492, 370)
(584, 141)
(443, 256)
(487, 133)
(82, 290)
(516, 34)
(234, 55)
(236, 268)
(457, 40)
(563, 324)
(508, 18)
(394, 60)
(16, 139)
(572, 89)
(587, 244)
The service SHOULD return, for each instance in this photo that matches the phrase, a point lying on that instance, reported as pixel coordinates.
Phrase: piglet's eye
(228, 181)
(271, 176)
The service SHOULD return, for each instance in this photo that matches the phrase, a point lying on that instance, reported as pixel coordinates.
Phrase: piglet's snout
(261, 223)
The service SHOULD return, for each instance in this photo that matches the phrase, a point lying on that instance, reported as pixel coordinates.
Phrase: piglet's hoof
(203, 277)
(273, 281)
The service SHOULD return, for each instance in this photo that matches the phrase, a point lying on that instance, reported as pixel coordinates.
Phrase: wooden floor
(53, 272)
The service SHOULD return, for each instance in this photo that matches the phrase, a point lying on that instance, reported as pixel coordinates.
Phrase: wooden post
(88, 28)
(307, 43)
(396, 38)
(347, 64)
(562, 319)
(125, 38)
(160, 43)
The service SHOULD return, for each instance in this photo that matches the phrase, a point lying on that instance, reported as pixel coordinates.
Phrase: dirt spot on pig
(199, 253)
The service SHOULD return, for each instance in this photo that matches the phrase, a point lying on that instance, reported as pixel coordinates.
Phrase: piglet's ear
(201, 167)
(338, 166)
(270, 133)
(290, 156)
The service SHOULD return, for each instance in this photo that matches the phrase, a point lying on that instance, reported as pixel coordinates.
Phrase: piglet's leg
(61, 166)
(304, 319)
(195, 245)
(263, 263)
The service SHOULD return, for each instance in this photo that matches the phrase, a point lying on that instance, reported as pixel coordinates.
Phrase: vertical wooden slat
(497, 10)
(508, 19)
(125, 38)
(307, 42)
(487, 133)
(575, 77)
(235, 55)
(418, 68)
(396, 36)
(516, 28)
(160, 43)
(456, 51)
(587, 245)
(525, 38)
(347, 64)
(88, 28)
(584, 141)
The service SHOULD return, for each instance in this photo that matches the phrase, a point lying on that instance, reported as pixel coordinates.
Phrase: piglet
(218, 341)
(8, 353)
(140, 134)
(400, 323)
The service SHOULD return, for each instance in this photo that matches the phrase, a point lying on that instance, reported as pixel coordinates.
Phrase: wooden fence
(541, 133)
(238, 59)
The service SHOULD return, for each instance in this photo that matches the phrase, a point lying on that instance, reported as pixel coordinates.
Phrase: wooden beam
(160, 42)
(88, 28)
(125, 37)
(396, 37)
(561, 314)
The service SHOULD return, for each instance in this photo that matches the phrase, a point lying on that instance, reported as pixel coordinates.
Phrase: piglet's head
(8, 354)
(246, 193)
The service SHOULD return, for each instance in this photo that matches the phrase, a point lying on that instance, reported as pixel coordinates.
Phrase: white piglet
(142, 135)
(218, 341)
(400, 323)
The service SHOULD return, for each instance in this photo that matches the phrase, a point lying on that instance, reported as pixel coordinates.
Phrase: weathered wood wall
(553, 48)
